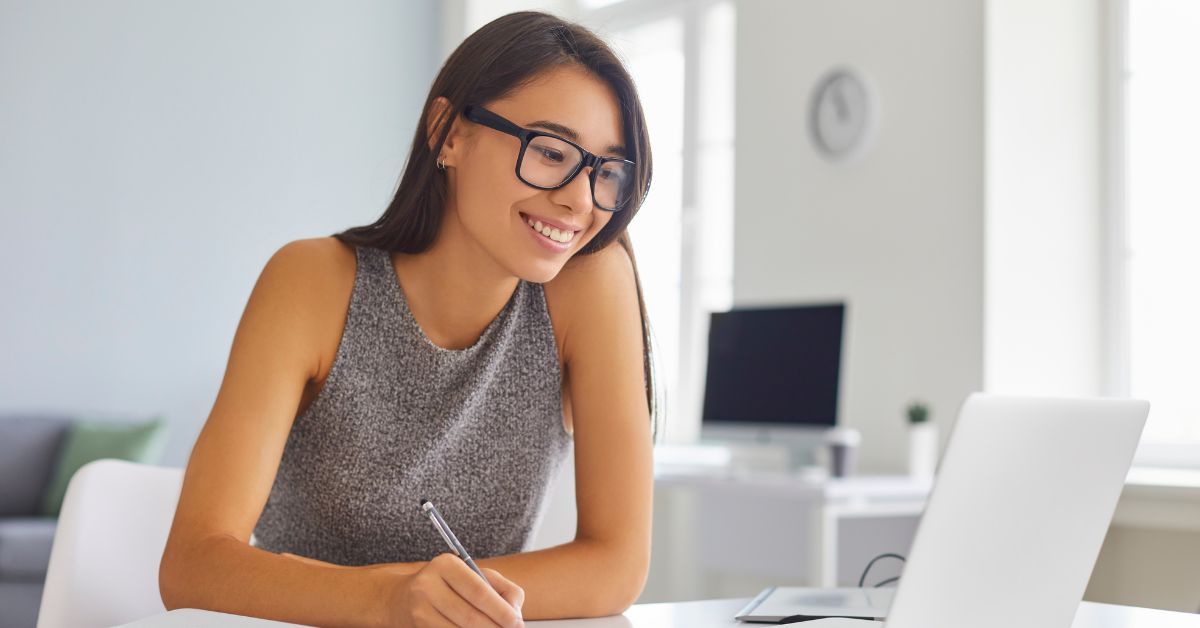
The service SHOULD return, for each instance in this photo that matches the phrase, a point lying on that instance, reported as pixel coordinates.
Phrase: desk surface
(702, 614)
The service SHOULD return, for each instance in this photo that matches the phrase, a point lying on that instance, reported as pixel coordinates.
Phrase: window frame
(1117, 320)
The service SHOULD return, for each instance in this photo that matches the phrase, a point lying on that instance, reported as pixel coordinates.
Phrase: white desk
(703, 614)
(823, 531)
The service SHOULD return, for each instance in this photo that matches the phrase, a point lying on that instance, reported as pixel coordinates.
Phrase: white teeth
(550, 232)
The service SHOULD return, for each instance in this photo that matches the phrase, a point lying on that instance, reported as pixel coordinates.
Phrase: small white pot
(922, 449)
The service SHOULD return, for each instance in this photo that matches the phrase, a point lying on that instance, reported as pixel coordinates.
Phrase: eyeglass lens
(548, 162)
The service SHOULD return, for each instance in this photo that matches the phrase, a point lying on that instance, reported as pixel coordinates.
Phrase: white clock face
(840, 116)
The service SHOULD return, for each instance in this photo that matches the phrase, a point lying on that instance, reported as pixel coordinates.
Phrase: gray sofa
(29, 449)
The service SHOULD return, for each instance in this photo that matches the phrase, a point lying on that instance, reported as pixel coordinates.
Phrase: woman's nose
(577, 195)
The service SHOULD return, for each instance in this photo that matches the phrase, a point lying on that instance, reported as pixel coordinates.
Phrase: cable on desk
(862, 579)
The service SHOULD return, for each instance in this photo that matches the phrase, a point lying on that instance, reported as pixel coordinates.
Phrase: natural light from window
(653, 53)
(1164, 215)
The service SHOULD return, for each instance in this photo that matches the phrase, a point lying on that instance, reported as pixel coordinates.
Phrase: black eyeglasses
(554, 161)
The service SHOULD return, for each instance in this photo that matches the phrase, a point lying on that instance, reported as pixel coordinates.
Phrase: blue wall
(154, 155)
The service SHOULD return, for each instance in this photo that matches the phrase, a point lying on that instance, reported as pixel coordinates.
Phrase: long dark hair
(500, 57)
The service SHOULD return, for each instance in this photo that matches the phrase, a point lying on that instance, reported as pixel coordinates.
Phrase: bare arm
(602, 571)
(208, 562)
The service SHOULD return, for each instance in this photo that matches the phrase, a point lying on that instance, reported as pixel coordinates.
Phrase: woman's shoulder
(319, 265)
(319, 268)
(590, 287)
(608, 269)
(320, 271)
(311, 255)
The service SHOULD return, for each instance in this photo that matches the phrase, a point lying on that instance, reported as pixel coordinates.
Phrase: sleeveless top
(478, 431)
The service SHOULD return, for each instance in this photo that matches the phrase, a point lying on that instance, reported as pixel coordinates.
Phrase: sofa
(39, 453)
(29, 451)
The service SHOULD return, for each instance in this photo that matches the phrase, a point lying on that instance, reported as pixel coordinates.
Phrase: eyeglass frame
(492, 120)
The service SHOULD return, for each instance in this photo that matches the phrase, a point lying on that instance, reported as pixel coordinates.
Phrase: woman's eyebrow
(570, 134)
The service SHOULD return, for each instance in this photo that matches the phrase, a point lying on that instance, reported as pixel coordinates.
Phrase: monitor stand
(791, 448)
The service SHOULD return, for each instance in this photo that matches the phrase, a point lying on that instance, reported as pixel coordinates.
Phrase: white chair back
(111, 533)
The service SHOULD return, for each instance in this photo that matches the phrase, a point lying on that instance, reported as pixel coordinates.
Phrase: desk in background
(715, 507)
(747, 529)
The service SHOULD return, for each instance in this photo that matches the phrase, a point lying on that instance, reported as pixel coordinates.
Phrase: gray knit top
(478, 431)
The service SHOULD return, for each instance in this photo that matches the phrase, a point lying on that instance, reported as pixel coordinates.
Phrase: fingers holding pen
(509, 590)
(447, 589)
(463, 593)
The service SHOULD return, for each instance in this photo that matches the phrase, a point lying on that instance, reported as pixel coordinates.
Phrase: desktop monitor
(774, 367)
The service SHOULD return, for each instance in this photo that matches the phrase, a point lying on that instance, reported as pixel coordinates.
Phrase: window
(1156, 257)
(680, 53)
(681, 57)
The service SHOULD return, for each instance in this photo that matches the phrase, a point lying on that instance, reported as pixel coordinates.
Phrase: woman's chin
(543, 275)
(539, 271)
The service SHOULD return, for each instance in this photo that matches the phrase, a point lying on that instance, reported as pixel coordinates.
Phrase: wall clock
(841, 114)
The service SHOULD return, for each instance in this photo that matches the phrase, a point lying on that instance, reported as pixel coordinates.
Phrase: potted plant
(922, 441)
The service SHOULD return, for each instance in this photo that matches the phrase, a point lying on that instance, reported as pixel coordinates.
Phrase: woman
(452, 350)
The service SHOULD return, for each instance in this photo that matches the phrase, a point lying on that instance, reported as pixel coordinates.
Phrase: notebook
(781, 605)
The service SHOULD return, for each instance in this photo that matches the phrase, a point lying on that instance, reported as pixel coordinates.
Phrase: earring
(441, 164)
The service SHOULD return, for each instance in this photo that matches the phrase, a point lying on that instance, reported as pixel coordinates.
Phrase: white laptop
(1022, 502)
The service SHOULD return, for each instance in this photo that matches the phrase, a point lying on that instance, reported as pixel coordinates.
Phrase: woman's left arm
(602, 571)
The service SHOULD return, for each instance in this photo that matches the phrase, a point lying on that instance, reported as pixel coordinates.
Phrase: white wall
(153, 156)
(898, 234)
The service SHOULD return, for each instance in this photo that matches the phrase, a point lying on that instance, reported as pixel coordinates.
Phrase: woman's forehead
(571, 98)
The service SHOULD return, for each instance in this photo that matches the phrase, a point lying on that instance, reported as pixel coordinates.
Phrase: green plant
(918, 412)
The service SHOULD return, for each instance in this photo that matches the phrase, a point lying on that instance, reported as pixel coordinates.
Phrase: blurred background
(999, 195)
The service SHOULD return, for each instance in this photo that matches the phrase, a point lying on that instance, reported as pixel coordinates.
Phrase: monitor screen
(774, 366)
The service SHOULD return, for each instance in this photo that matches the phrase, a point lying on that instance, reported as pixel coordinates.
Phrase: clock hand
(839, 101)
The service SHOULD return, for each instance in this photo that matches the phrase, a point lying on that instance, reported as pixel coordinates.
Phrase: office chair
(109, 542)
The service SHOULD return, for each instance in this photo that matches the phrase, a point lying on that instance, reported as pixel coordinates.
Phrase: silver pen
(451, 540)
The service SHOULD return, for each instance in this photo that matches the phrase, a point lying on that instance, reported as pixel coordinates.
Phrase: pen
(451, 540)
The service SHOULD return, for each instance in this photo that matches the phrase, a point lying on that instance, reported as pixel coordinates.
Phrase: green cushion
(92, 440)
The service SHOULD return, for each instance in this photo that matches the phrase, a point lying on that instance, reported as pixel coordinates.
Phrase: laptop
(1021, 505)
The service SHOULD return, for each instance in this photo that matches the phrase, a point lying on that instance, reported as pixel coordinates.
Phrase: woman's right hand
(446, 593)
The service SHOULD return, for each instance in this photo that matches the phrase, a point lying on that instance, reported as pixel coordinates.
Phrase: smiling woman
(453, 350)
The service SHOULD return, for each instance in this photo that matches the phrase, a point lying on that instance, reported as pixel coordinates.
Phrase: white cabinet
(721, 535)
(719, 532)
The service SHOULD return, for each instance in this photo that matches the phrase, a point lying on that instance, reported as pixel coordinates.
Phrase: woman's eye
(611, 175)
(549, 153)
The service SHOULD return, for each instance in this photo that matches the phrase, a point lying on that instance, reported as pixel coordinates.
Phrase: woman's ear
(440, 111)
